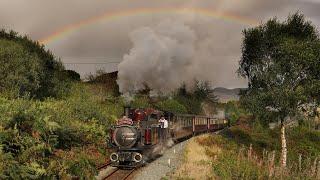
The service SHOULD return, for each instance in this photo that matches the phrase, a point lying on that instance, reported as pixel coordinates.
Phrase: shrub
(20, 70)
(192, 99)
(141, 102)
(28, 69)
(171, 105)
(53, 138)
(234, 111)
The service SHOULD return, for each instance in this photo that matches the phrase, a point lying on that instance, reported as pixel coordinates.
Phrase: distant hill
(226, 95)
(108, 80)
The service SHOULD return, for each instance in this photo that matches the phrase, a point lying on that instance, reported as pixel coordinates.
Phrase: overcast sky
(109, 41)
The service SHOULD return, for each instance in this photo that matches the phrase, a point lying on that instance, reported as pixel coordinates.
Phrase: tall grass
(239, 161)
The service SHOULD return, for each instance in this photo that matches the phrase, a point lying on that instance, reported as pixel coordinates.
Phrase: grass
(252, 152)
(249, 150)
(196, 164)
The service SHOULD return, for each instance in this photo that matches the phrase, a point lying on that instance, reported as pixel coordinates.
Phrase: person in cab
(164, 124)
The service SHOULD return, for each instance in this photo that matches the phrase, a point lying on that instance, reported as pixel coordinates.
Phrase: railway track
(119, 174)
(115, 173)
(103, 166)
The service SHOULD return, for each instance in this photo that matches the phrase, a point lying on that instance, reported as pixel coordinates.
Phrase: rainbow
(108, 16)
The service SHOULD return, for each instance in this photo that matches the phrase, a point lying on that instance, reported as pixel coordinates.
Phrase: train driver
(164, 127)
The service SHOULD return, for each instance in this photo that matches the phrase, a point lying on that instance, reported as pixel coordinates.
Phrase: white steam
(177, 52)
(161, 58)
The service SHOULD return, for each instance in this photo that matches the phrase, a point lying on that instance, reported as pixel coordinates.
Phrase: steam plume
(161, 58)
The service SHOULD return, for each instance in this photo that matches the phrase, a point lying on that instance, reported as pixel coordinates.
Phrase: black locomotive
(137, 137)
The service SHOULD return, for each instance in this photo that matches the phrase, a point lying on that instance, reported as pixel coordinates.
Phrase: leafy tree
(281, 61)
(193, 99)
(171, 105)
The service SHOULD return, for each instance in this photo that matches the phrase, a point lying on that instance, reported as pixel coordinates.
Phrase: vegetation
(50, 127)
(171, 105)
(20, 71)
(281, 62)
(54, 138)
(29, 69)
(249, 151)
(72, 75)
(193, 100)
(180, 101)
(234, 111)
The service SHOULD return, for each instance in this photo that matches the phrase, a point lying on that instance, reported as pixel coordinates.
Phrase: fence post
(193, 125)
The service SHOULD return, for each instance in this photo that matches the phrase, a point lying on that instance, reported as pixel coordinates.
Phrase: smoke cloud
(162, 58)
(176, 52)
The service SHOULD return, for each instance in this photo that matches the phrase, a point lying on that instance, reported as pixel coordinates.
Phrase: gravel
(164, 165)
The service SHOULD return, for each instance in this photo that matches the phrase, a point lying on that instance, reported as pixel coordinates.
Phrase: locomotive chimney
(126, 111)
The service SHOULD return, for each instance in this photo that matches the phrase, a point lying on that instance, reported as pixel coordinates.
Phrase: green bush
(192, 100)
(27, 69)
(171, 105)
(20, 70)
(234, 111)
(53, 138)
(141, 102)
(304, 141)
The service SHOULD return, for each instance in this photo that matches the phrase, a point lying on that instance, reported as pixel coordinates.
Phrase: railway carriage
(137, 136)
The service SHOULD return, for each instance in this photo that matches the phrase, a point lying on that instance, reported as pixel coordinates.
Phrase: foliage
(108, 80)
(234, 111)
(171, 105)
(193, 100)
(141, 102)
(281, 62)
(29, 69)
(253, 160)
(54, 138)
(268, 139)
(72, 75)
(19, 69)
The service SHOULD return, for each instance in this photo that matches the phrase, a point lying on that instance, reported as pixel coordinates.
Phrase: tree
(281, 61)
(193, 99)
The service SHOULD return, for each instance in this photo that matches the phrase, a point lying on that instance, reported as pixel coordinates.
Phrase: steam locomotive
(137, 137)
